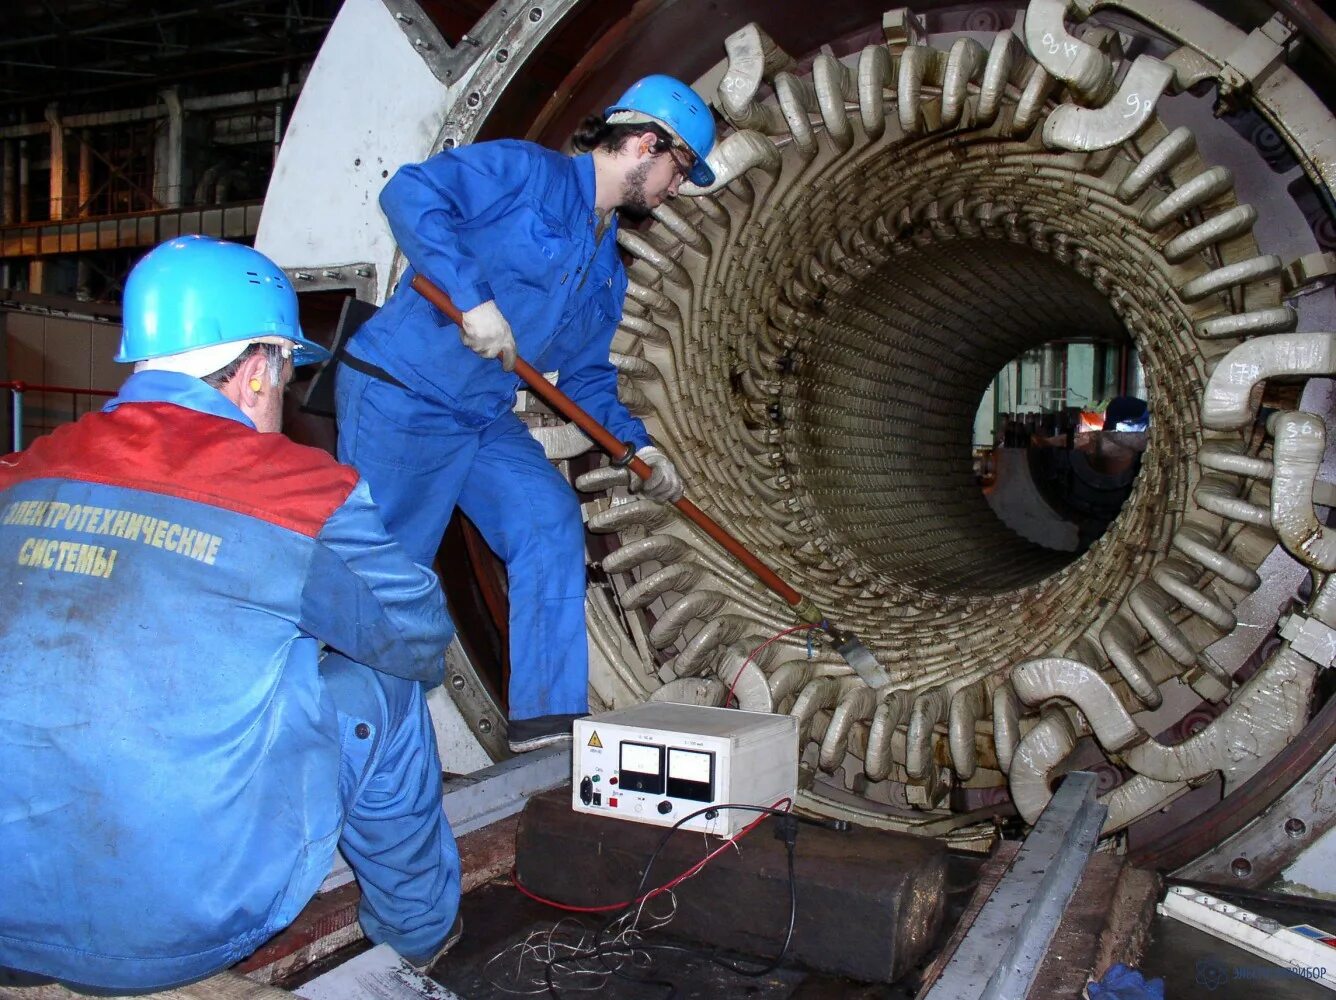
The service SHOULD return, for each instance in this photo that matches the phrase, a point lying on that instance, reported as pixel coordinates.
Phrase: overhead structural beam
(238, 221)
(130, 22)
(215, 102)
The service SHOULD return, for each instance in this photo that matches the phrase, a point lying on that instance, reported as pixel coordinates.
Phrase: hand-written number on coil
(1054, 45)
(1139, 105)
(1301, 429)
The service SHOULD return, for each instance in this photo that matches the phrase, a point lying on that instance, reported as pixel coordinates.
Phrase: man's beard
(635, 200)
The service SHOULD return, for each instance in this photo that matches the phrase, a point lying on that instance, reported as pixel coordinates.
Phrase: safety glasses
(682, 163)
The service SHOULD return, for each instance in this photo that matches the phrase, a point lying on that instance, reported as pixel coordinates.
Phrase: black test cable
(786, 832)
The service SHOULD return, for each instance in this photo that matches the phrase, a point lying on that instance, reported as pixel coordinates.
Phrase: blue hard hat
(1129, 414)
(680, 108)
(196, 291)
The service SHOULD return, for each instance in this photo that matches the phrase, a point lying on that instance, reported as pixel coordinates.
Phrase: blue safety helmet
(1128, 414)
(680, 108)
(196, 291)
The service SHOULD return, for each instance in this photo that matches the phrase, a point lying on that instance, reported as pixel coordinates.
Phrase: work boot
(451, 939)
(524, 735)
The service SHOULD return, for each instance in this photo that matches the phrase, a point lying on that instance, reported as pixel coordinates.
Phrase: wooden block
(1107, 921)
(1127, 932)
(329, 922)
(1070, 958)
(989, 876)
(224, 986)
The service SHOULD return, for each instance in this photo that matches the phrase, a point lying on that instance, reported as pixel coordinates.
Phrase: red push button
(612, 802)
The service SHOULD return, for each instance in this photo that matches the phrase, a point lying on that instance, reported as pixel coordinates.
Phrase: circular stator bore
(897, 216)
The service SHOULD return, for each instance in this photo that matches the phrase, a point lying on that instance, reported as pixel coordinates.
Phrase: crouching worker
(177, 762)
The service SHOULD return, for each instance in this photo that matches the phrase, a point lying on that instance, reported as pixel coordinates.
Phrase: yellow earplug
(256, 385)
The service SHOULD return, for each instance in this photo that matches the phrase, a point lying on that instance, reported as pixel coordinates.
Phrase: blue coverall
(177, 764)
(513, 222)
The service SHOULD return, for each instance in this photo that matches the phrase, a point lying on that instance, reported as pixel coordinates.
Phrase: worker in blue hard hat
(1115, 446)
(1127, 415)
(177, 762)
(524, 240)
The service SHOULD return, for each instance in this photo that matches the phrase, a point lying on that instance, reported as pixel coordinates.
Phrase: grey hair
(273, 358)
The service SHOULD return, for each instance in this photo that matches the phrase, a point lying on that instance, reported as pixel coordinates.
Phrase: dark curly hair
(595, 132)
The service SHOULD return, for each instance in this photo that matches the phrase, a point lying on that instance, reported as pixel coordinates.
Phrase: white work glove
(487, 333)
(665, 485)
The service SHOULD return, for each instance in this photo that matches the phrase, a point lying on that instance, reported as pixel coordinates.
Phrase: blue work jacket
(169, 757)
(513, 222)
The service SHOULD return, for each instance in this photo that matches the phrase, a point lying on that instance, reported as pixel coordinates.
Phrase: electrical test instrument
(658, 762)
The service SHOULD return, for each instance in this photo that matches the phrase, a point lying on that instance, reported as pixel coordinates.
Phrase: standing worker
(524, 240)
(177, 764)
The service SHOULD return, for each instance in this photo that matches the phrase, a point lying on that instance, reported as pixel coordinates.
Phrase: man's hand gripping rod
(623, 455)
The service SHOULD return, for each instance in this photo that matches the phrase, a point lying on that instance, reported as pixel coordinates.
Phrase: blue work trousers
(420, 462)
(395, 835)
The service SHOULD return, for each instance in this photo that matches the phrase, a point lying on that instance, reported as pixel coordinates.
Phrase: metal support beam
(23, 181)
(475, 800)
(168, 153)
(85, 172)
(262, 97)
(57, 185)
(9, 182)
(1004, 948)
